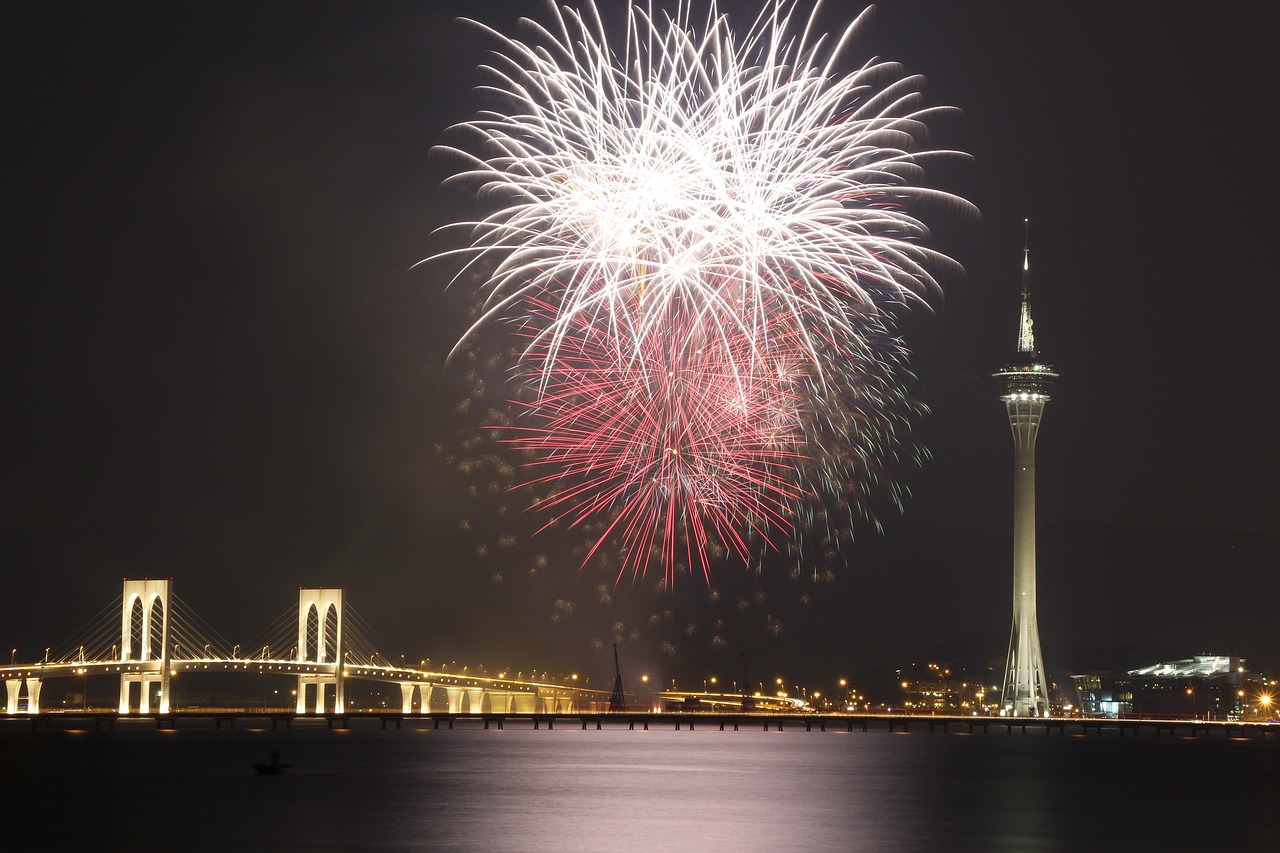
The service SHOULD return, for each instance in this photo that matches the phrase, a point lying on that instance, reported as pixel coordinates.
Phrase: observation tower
(1024, 388)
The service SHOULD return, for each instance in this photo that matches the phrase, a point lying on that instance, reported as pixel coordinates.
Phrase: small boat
(273, 768)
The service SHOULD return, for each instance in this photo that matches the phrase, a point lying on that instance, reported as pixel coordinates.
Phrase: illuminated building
(1211, 687)
(1024, 385)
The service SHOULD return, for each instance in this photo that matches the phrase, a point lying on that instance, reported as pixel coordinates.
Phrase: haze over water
(564, 790)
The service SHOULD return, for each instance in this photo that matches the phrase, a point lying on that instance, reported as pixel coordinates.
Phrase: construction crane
(618, 698)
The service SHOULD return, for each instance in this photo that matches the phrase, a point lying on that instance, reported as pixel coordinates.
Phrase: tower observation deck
(1024, 387)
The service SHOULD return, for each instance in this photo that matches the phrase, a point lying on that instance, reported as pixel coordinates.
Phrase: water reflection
(565, 790)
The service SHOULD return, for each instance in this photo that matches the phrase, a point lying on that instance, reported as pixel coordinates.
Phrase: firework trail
(699, 240)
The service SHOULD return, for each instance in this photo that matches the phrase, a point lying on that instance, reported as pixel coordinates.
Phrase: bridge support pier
(505, 702)
(475, 700)
(406, 697)
(146, 681)
(555, 701)
(320, 699)
(524, 703)
(13, 691)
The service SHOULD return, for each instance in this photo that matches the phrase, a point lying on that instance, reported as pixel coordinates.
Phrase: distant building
(1207, 687)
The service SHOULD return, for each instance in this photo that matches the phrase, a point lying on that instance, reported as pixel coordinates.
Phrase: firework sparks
(699, 239)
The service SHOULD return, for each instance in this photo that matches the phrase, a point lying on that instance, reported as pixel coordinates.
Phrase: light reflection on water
(471, 791)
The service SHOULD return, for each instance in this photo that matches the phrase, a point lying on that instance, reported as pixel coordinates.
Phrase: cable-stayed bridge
(149, 637)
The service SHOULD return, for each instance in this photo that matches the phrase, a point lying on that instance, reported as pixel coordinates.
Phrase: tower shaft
(1025, 690)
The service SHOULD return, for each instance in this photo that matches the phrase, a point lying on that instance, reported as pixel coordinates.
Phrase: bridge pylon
(144, 642)
(320, 641)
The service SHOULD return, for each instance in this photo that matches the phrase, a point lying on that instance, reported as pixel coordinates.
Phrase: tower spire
(1026, 339)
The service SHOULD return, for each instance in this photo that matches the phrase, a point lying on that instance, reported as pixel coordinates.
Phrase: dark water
(568, 790)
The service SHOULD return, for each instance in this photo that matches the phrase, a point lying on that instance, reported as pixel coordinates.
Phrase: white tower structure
(1024, 385)
(144, 642)
(320, 641)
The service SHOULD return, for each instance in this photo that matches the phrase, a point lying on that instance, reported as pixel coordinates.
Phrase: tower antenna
(1026, 338)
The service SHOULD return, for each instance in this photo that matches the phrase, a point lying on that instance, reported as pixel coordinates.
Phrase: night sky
(222, 366)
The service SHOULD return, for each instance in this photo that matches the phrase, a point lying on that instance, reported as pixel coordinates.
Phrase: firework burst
(699, 238)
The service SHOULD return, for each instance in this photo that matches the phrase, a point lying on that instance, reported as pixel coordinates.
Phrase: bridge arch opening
(155, 642)
(134, 649)
(312, 653)
(331, 634)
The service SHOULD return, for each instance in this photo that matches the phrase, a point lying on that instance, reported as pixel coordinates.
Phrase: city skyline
(222, 370)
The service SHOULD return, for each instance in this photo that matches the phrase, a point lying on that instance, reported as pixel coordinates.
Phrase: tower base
(1025, 692)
